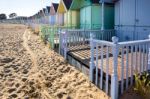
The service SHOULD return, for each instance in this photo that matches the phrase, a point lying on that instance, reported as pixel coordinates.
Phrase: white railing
(78, 39)
(113, 64)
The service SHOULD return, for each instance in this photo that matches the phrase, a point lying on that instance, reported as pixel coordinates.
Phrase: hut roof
(55, 5)
(77, 4)
(41, 12)
(48, 9)
(44, 10)
(67, 3)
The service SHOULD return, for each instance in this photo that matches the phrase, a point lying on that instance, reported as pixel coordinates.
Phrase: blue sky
(23, 7)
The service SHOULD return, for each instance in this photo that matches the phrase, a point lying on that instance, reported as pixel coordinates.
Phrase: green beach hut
(94, 14)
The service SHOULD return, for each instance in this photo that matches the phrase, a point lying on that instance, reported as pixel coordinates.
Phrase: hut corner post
(103, 15)
(114, 76)
(92, 65)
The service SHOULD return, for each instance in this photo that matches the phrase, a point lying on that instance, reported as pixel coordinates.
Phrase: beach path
(30, 70)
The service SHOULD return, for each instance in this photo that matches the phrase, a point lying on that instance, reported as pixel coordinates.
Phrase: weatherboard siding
(91, 17)
(132, 19)
(60, 19)
(71, 18)
(53, 19)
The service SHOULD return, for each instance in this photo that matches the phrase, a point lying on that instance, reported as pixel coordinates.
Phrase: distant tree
(3, 16)
(12, 15)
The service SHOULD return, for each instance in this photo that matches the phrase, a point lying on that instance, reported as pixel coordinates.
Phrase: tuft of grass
(142, 85)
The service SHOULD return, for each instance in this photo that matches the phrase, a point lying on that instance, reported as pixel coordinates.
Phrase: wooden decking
(135, 60)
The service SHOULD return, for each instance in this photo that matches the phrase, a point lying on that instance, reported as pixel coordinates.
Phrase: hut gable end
(53, 8)
(67, 3)
(61, 7)
(48, 9)
(55, 5)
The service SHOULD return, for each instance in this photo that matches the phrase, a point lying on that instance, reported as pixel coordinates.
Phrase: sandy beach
(30, 70)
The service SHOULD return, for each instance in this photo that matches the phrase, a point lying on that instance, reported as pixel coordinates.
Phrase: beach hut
(41, 16)
(47, 15)
(41, 24)
(38, 22)
(71, 17)
(44, 17)
(56, 22)
(95, 14)
(38, 17)
(60, 14)
(53, 11)
(132, 19)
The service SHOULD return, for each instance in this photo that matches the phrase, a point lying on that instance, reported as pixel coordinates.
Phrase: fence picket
(147, 52)
(132, 65)
(136, 58)
(101, 68)
(107, 68)
(96, 64)
(140, 58)
(127, 66)
(122, 69)
(142, 68)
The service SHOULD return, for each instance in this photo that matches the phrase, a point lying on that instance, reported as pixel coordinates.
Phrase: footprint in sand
(11, 90)
(6, 59)
(17, 85)
(6, 70)
(13, 96)
(25, 71)
(24, 79)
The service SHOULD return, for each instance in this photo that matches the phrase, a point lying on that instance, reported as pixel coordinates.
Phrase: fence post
(148, 56)
(114, 77)
(65, 44)
(60, 40)
(92, 65)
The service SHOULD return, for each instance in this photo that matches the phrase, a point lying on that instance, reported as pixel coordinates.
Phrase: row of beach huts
(107, 40)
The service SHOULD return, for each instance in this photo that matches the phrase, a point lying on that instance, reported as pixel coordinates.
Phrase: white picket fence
(114, 64)
(79, 38)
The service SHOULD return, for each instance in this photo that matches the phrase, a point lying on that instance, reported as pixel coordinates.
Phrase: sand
(30, 70)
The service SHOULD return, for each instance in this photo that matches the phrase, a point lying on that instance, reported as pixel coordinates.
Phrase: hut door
(82, 18)
(85, 17)
(88, 14)
(132, 19)
(142, 18)
(125, 15)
